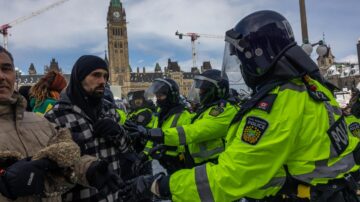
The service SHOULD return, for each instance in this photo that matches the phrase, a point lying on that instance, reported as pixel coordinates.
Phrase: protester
(93, 122)
(25, 91)
(32, 151)
(46, 92)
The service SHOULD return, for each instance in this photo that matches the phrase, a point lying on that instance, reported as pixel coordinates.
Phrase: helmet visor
(231, 68)
(157, 88)
(194, 94)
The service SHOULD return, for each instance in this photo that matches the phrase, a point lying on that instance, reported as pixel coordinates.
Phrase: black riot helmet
(258, 41)
(209, 87)
(136, 99)
(164, 87)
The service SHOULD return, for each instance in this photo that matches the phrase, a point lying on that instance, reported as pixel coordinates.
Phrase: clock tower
(118, 46)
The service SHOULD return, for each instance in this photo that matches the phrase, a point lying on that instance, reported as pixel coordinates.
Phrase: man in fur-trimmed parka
(32, 151)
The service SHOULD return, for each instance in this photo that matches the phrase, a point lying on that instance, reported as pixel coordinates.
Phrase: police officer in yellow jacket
(289, 139)
(142, 112)
(141, 109)
(171, 113)
(204, 137)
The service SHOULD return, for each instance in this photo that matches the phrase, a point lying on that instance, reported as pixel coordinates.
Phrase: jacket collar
(16, 102)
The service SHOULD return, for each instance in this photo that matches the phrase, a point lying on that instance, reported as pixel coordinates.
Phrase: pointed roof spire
(106, 59)
(157, 68)
(115, 3)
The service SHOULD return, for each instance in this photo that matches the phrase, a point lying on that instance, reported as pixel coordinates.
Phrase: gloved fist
(107, 128)
(158, 151)
(25, 178)
(105, 180)
(112, 132)
(139, 188)
(135, 131)
(141, 165)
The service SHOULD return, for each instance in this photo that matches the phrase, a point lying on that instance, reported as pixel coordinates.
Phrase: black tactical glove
(105, 180)
(158, 151)
(135, 131)
(139, 188)
(107, 128)
(25, 178)
(111, 131)
(141, 165)
(139, 131)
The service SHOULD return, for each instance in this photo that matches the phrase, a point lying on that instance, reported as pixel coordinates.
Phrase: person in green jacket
(289, 142)
(204, 137)
(46, 92)
(171, 114)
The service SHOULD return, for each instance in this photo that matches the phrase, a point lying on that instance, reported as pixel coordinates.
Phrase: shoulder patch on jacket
(266, 103)
(215, 111)
(355, 129)
(253, 130)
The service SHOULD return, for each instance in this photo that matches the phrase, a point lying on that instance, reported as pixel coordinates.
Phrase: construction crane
(193, 37)
(4, 28)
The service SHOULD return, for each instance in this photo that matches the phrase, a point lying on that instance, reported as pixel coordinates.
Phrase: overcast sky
(77, 27)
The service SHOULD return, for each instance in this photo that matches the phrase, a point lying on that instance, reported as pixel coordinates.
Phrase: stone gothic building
(32, 77)
(120, 71)
(344, 75)
(118, 60)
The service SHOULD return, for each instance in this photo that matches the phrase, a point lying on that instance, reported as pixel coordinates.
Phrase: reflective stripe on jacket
(175, 120)
(296, 132)
(205, 136)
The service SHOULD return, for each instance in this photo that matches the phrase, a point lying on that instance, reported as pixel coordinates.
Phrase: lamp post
(321, 50)
(304, 30)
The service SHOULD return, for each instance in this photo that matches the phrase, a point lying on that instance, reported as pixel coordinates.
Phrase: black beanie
(88, 63)
(76, 93)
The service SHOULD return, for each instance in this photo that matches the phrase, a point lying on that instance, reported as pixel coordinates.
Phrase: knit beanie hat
(88, 63)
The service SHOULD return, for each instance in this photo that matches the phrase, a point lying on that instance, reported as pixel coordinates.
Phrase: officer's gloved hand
(25, 178)
(139, 188)
(135, 131)
(158, 151)
(105, 180)
(139, 131)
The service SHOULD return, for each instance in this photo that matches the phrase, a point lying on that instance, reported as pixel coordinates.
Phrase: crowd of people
(288, 141)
